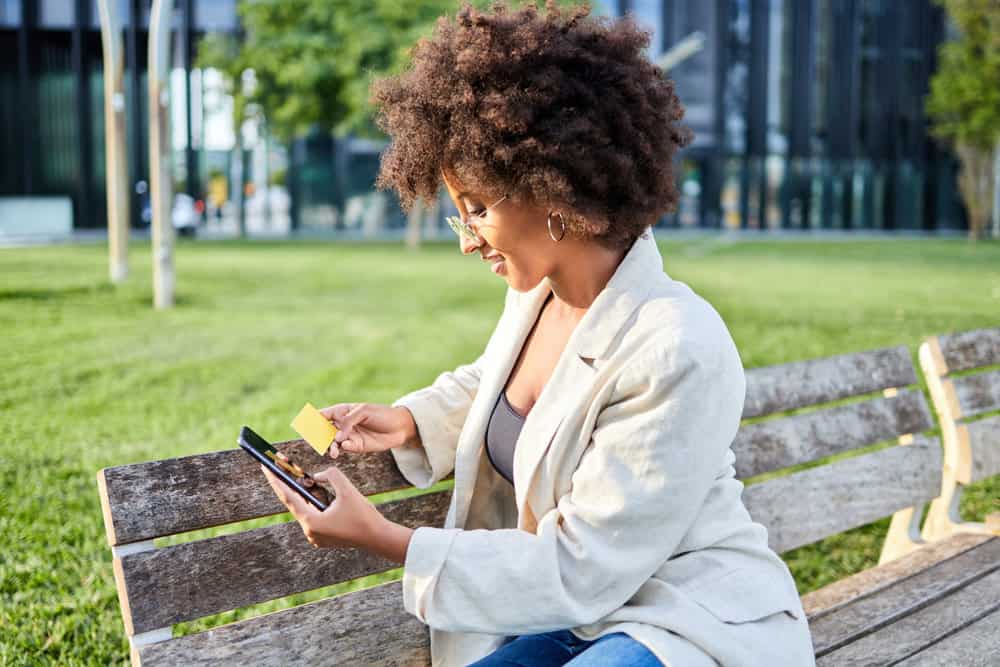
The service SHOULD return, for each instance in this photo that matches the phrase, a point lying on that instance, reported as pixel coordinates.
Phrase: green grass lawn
(92, 376)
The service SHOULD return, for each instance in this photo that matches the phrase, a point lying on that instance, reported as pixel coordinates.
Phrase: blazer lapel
(591, 339)
(472, 441)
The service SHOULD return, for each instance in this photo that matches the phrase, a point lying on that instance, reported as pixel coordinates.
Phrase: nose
(468, 245)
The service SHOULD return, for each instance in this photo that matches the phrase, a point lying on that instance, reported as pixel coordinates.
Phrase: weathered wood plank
(976, 645)
(368, 627)
(798, 384)
(849, 589)
(977, 393)
(780, 443)
(862, 616)
(971, 349)
(195, 579)
(984, 441)
(846, 493)
(157, 498)
(923, 627)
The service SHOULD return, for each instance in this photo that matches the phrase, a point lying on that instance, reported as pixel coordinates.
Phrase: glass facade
(807, 114)
(52, 108)
(10, 13)
(815, 119)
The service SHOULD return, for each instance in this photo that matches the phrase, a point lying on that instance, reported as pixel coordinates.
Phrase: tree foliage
(964, 100)
(312, 60)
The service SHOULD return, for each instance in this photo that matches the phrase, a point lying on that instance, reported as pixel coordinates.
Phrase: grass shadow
(51, 294)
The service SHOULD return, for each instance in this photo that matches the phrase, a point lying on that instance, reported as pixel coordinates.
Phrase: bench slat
(368, 627)
(978, 393)
(192, 580)
(147, 500)
(971, 349)
(780, 443)
(846, 493)
(844, 625)
(843, 591)
(921, 628)
(984, 441)
(798, 384)
(965, 647)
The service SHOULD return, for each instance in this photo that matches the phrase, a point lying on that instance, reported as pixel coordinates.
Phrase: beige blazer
(625, 514)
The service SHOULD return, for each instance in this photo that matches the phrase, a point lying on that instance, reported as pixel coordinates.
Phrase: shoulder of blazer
(676, 320)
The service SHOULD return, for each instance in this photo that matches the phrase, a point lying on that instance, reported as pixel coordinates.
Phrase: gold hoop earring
(562, 222)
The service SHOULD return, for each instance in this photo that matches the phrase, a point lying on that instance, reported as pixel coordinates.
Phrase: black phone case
(247, 437)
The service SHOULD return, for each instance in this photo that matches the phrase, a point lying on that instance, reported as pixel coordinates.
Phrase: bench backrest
(963, 378)
(955, 365)
(875, 403)
(162, 586)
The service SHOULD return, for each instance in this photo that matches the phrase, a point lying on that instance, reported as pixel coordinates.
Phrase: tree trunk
(996, 192)
(975, 182)
(414, 222)
(431, 217)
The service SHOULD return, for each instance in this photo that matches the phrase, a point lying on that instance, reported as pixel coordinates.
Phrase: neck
(581, 273)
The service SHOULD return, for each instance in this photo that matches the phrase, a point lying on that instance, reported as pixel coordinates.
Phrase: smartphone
(282, 467)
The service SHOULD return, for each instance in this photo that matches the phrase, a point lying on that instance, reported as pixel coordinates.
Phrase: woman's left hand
(351, 520)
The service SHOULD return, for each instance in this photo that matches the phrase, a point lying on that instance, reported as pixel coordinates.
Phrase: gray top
(501, 435)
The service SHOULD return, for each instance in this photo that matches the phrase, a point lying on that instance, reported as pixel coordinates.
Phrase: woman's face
(512, 237)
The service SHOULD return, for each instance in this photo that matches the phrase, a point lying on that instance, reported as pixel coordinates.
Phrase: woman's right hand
(369, 427)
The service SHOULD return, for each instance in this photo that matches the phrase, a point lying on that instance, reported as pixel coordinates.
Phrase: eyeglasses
(462, 228)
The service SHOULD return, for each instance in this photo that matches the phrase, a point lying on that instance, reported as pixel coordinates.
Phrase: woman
(595, 518)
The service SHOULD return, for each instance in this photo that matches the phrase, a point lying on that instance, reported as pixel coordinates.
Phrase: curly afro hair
(562, 110)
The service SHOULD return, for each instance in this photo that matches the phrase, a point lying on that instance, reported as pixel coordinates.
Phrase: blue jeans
(562, 647)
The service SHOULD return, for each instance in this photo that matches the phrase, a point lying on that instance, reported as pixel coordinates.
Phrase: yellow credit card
(314, 428)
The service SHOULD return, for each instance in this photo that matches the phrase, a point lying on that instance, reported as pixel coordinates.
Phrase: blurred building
(52, 101)
(806, 113)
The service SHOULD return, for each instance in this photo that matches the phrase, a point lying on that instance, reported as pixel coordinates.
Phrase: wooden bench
(971, 444)
(936, 606)
(159, 587)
